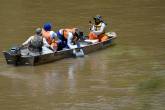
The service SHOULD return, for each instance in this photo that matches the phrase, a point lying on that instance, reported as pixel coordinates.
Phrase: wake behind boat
(21, 56)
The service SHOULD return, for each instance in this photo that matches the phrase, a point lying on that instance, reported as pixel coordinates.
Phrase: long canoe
(21, 59)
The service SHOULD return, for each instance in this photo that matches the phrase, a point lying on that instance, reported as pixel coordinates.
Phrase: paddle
(78, 52)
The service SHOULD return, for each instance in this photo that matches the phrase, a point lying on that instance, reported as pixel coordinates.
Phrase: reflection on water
(48, 80)
(127, 76)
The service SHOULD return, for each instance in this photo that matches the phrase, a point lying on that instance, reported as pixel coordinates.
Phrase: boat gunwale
(67, 53)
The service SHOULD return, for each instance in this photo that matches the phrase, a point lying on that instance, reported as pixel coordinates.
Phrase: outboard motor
(15, 51)
(15, 54)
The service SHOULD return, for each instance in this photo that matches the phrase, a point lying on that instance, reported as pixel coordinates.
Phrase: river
(127, 76)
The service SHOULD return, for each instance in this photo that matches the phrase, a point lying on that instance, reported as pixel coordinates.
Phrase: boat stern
(11, 59)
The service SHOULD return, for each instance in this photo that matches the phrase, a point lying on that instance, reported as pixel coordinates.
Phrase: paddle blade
(78, 53)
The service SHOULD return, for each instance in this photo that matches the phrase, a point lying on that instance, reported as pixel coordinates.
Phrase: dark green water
(127, 76)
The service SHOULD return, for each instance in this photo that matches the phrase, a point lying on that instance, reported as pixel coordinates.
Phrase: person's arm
(27, 41)
(69, 41)
(53, 35)
(101, 29)
(90, 25)
(45, 43)
(93, 28)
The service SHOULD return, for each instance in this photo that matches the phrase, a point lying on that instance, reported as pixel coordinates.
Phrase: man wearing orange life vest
(49, 35)
(97, 30)
(68, 38)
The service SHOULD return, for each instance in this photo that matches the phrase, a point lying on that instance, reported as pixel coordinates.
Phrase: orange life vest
(66, 31)
(47, 36)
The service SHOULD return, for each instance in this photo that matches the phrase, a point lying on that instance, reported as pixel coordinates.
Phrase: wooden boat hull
(45, 58)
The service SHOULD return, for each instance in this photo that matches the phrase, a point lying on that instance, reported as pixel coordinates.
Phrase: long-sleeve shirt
(30, 38)
(53, 35)
(69, 41)
(100, 31)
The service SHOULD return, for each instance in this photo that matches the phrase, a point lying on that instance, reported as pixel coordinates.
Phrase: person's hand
(90, 25)
(21, 46)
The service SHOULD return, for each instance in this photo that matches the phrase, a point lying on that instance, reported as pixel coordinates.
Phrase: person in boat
(97, 30)
(49, 35)
(36, 42)
(69, 38)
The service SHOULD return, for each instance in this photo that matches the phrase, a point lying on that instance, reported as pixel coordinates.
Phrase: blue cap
(47, 27)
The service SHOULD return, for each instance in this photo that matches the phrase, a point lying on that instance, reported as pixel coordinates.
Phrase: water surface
(127, 76)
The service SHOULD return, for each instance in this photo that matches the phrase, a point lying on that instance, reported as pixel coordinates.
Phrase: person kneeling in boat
(49, 35)
(69, 38)
(36, 42)
(97, 30)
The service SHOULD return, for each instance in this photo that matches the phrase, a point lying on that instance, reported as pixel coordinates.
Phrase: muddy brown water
(127, 76)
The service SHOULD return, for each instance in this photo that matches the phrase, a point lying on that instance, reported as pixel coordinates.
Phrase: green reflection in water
(151, 85)
(151, 94)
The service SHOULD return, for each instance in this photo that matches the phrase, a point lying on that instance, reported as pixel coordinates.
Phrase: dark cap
(98, 17)
(38, 31)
